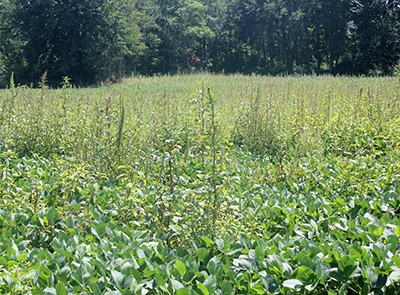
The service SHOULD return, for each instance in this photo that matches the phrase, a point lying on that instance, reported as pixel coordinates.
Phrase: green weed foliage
(201, 185)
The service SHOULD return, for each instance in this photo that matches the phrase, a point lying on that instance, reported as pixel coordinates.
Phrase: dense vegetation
(171, 185)
(93, 41)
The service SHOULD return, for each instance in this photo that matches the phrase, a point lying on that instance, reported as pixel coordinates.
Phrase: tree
(181, 30)
(75, 38)
(10, 43)
(93, 40)
(328, 23)
(376, 35)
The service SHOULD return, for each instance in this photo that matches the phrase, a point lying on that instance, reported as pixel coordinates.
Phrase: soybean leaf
(202, 289)
(226, 288)
(293, 284)
(60, 289)
(95, 289)
(180, 266)
(208, 243)
(201, 254)
(118, 277)
(210, 283)
(177, 285)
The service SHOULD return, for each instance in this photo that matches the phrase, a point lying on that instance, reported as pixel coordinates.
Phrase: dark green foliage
(75, 39)
(103, 40)
(375, 43)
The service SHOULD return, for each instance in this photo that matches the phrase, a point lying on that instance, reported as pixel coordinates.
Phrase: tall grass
(173, 140)
(122, 125)
(297, 115)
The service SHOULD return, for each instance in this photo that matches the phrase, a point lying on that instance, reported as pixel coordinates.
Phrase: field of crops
(201, 185)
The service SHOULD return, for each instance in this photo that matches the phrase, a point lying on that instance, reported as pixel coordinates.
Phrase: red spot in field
(193, 60)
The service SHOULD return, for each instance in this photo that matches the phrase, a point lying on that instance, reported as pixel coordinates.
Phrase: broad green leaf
(62, 236)
(259, 289)
(351, 271)
(287, 269)
(203, 290)
(70, 222)
(36, 276)
(52, 215)
(395, 275)
(60, 289)
(345, 261)
(101, 229)
(137, 276)
(128, 281)
(281, 186)
(140, 253)
(72, 232)
(376, 231)
(3, 261)
(37, 291)
(307, 261)
(180, 266)
(343, 289)
(208, 243)
(311, 287)
(259, 254)
(100, 266)
(50, 291)
(201, 254)
(245, 241)
(159, 280)
(397, 231)
(210, 283)
(293, 284)
(366, 240)
(118, 277)
(150, 264)
(367, 272)
(305, 274)
(29, 275)
(177, 285)
(244, 263)
(252, 254)
(241, 278)
(227, 243)
(11, 263)
(271, 284)
(306, 227)
(396, 260)
(226, 288)
(184, 291)
(95, 289)
(19, 217)
(127, 292)
(220, 244)
(234, 248)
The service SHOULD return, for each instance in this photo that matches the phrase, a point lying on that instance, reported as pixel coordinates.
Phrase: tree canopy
(79, 39)
(94, 40)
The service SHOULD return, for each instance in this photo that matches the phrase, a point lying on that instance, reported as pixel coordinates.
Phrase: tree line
(90, 41)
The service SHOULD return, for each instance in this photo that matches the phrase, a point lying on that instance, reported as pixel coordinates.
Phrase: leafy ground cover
(166, 185)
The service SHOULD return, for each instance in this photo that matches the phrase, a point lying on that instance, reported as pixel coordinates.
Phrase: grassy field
(202, 184)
